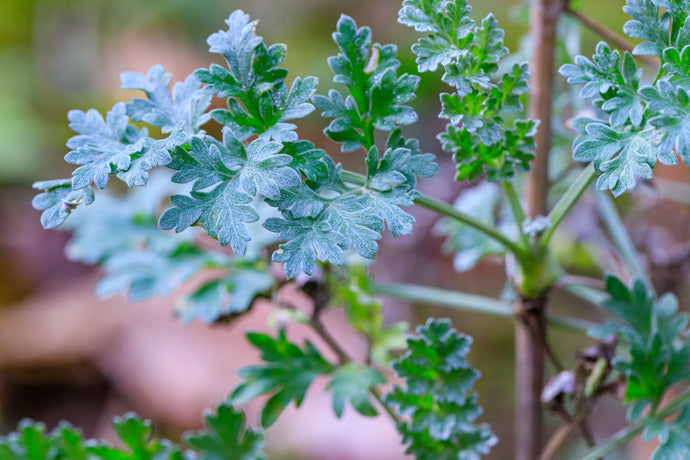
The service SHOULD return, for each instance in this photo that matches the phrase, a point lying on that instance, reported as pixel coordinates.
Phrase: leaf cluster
(478, 135)
(638, 125)
(657, 358)
(139, 259)
(226, 436)
(437, 399)
(288, 370)
(260, 158)
(325, 215)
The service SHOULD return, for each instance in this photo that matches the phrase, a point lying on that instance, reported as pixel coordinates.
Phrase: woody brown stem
(530, 326)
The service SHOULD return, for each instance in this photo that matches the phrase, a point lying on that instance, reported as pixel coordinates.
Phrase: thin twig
(581, 281)
(567, 201)
(561, 436)
(607, 34)
(317, 326)
(344, 358)
(446, 210)
(554, 444)
(377, 396)
(623, 436)
(470, 302)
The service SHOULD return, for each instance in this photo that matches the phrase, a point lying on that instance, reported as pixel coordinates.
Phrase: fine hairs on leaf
(478, 136)
(638, 125)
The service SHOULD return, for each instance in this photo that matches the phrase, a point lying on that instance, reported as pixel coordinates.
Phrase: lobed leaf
(436, 400)
(287, 372)
(469, 53)
(653, 331)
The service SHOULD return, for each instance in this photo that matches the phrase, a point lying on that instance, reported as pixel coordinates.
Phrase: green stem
(469, 302)
(449, 211)
(621, 238)
(591, 295)
(626, 434)
(389, 410)
(517, 210)
(607, 34)
(567, 201)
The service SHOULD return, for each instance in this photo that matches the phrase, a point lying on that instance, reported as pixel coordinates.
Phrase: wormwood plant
(274, 198)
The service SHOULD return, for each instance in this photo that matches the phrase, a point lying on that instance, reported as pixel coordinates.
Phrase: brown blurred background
(65, 354)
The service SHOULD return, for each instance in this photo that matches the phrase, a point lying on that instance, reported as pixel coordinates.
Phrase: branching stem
(449, 211)
(561, 436)
(344, 358)
(608, 35)
(517, 210)
(567, 201)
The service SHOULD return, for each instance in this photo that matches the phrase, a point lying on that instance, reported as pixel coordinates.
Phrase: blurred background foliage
(65, 355)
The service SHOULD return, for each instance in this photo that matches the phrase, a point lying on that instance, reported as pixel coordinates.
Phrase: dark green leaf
(437, 398)
(227, 437)
(286, 372)
(652, 330)
(352, 382)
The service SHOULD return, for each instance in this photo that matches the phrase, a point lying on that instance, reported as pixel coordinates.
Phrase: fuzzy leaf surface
(437, 396)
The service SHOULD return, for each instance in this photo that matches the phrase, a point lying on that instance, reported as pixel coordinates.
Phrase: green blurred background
(63, 354)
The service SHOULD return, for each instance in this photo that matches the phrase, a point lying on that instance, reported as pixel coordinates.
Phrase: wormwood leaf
(259, 102)
(137, 436)
(308, 240)
(619, 156)
(673, 120)
(674, 437)
(58, 199)
(320, 229)
(449, 24)
(102, 147)
(645, 124)
(647, 25)
(286, 372)
(437, 396)
(136, 256)
(477, 134)
(611, 81)
(378, 96)
(227, 297)
(227, 436)
(243, 173)
(653, 331)
(143, 261)
(30, 442)
(147, 273)
(352, 382)
(223, 213)
(183, 109)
